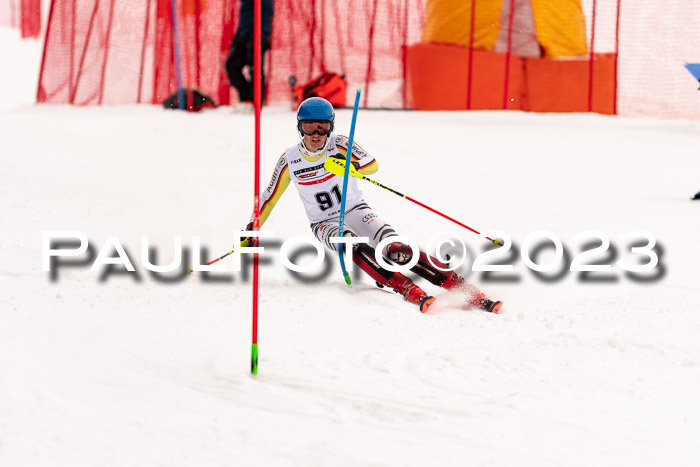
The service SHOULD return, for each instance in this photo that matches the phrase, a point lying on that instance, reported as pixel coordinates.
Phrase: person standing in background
(242, 52)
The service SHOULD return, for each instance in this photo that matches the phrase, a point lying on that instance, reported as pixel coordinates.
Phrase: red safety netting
(10, 13)
(656, 39)
(24, 15)
(120, 51)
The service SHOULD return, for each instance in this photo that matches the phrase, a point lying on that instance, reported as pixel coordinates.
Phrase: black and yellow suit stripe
(277, 190)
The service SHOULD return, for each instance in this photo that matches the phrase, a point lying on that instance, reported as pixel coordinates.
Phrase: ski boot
(364, 257)
(401, 254)
(410, 291)
(490, 306)
(477, 297)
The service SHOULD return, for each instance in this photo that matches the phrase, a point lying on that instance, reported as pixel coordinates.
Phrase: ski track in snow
(132, 371)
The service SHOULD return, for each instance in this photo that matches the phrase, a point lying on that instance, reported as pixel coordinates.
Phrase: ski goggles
(311, 128)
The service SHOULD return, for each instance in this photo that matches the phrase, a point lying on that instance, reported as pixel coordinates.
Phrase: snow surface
(126, 370)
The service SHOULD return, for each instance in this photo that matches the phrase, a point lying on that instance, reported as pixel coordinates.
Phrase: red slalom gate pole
(257, 76)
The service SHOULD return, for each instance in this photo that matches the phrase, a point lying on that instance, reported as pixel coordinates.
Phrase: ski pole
(215, 260)
(346, 173)
(338, 167)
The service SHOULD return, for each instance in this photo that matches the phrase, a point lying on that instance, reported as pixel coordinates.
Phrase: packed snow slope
(116, 368)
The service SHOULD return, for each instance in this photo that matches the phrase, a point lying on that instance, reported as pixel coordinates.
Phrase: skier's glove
(342, 158)
(246, 241)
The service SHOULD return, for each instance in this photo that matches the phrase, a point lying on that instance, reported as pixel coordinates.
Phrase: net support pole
(368, 76)
(592, 58)
(508, 52)
(470, 61)
(100, 97)
(143, 50)
(40, 93)
(617, 54)
(176, 46)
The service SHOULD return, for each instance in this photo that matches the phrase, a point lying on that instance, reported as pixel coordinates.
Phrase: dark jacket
(245, 25)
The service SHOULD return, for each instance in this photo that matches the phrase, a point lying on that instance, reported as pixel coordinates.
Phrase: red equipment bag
(330, 86)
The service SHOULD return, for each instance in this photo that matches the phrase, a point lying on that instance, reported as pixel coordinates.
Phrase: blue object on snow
(694, 69)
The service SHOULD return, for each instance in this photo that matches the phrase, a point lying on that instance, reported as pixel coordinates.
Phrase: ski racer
(320, 192)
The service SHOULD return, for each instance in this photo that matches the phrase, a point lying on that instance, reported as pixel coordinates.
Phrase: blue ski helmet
(315, 109)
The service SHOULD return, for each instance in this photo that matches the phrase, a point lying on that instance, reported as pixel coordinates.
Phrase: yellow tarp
(560, 25)
(449, 21)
